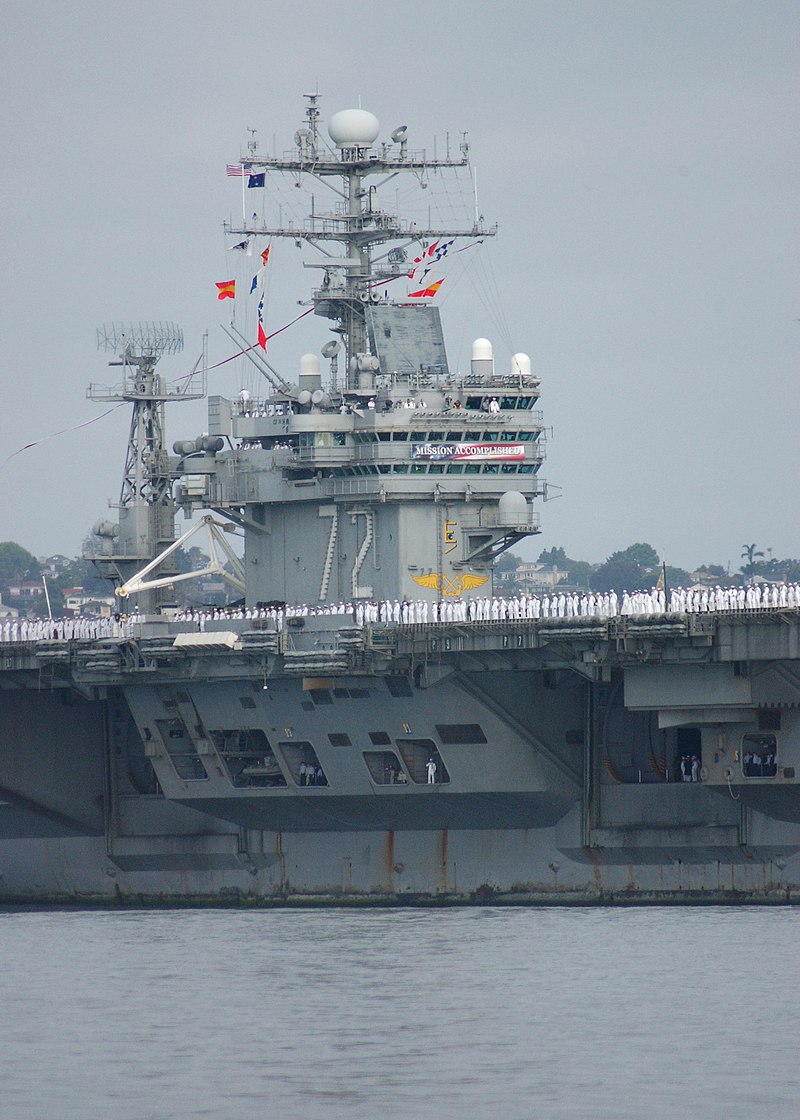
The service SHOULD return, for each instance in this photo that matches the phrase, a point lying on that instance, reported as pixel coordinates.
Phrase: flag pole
(666, 589)
(244, 216)
(47, 597)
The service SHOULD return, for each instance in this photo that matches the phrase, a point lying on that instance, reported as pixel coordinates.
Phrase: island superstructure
(396, 477)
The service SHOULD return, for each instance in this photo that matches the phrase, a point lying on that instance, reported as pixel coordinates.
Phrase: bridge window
(339, 739)
(379, 738)
(759, 756)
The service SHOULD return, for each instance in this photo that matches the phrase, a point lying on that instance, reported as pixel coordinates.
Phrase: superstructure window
(339, 739)
(423, 761)
(759, 756)
(399, 686)
(460, 733)
(181, 749)
(384, 768)
(303, 764)
(248, 758)
(379, 738)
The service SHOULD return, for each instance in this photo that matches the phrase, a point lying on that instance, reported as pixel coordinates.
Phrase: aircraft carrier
(355, 749)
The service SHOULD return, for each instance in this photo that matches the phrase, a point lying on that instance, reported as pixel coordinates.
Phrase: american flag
(237, 170)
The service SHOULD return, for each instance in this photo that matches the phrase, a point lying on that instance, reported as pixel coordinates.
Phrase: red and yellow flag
(265, 255)
(227, 289)
(431, 291)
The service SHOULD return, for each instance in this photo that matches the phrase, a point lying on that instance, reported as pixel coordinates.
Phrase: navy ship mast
(353, 279)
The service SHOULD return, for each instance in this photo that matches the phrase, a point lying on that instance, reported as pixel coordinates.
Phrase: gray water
(468, 1013)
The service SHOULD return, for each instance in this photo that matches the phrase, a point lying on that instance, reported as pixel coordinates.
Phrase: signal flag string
(62, 432)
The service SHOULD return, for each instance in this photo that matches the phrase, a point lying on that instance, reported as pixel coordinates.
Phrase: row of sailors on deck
(420, 611)
(65, 629)
(249, 407)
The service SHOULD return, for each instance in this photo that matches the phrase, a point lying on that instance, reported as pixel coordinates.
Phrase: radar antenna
(146, 509)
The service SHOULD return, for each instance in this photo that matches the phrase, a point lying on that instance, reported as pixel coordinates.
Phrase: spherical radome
(353, 128)
(481, 350)
(513, 506)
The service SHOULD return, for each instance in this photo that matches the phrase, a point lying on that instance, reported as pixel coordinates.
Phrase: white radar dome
(309, 364)
(520, 363)
(353, 128)
(481, 350)
(513, 507)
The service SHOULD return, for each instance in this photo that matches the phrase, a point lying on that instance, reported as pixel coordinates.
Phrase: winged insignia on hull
(451, 588)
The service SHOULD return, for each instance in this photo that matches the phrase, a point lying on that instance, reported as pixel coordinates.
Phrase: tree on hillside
(555, 557)
(715, 570)
(632, 569)
(16, 563)
(749, 553)
(580, 571)
(507, 562)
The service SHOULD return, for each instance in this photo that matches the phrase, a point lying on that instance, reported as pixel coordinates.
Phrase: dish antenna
(400, 136)
(331, 350)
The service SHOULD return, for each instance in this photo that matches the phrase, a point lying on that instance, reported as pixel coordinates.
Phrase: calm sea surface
(468, 1013)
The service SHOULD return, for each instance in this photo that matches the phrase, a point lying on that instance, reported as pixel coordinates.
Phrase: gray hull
(557, 751)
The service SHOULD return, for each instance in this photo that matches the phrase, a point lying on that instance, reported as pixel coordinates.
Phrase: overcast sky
(640, 159)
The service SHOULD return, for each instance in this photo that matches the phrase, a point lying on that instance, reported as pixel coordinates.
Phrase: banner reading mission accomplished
(478, 451)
